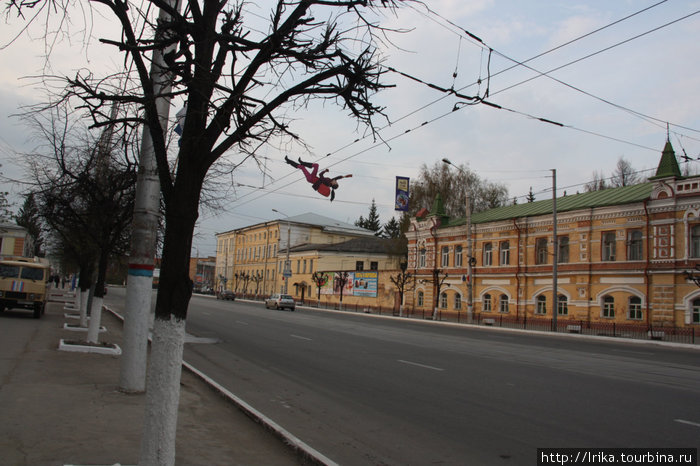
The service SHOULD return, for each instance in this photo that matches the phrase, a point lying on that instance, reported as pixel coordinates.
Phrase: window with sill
(541, 251)
(634, 245)
(488, 254)
(608, 310)
(608, 246)
(541, 308)
(504, 253)
(635, 308)
(486, 303)
(562, 305)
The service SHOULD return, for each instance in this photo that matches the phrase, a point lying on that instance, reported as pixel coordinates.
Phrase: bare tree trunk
(93, 335)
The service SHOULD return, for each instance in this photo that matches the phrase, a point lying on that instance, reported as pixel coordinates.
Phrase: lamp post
(287, 273)
(470, 261)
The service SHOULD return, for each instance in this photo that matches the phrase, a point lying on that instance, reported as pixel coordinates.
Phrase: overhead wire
(473, 98)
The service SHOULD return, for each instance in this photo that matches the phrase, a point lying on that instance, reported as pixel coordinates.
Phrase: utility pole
(143, 238)
(470, 261)
(555, 255)
(287, 273)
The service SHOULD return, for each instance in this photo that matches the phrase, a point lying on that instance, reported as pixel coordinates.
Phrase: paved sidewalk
(60, 408)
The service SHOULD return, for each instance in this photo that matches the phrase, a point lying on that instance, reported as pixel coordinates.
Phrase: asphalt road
(365, 390)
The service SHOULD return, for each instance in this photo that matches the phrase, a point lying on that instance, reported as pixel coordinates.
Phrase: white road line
(420, 365)
(300, 338)
(690, 423)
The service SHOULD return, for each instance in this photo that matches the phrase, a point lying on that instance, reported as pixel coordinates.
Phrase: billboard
(401, 199)
(365, 284)
(358, 284)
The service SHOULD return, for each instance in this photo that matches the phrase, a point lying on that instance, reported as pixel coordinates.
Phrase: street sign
(287, 273)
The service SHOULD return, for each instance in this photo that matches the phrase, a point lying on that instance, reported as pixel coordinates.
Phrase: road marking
(241, 322)
(420, 365)
(690, 423)
(300, 338)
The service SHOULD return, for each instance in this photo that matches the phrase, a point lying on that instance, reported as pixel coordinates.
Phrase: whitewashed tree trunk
(132, 375)
(163, 393)
(93, 335)
(82, 298)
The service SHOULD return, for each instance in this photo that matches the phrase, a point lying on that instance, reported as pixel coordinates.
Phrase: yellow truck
(24, 284)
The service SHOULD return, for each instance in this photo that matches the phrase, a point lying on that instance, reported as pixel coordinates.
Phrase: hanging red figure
(323, 185)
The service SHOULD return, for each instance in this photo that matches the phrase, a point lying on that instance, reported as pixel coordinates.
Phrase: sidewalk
(61, 408)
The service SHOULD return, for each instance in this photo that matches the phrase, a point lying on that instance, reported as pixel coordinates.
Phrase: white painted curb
(114, 350)
(78, 328)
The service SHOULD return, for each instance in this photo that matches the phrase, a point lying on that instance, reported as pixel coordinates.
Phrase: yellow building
(15, 241)
(248, 259)
(623, 257)
(363, 265)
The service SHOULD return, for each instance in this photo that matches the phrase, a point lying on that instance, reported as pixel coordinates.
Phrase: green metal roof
(603, 198)
(668, 165)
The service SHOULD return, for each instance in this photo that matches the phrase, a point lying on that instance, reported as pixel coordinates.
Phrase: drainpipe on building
(517, 272)
(646, 262)
(436, 288)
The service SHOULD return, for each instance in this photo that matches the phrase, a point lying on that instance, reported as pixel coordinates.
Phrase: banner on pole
(401, 203)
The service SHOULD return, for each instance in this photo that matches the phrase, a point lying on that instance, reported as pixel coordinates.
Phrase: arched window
(443, 300)
(486, 303)
(458, 301)
(562, 305)
(503, 304)
(421, 258)
(458, 256)
(445, 262)
(695, 312)
(608, 307)
(634, 311)
(420, 298)
(541, 305)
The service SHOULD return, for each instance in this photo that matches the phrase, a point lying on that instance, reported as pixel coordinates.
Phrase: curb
(302, 449)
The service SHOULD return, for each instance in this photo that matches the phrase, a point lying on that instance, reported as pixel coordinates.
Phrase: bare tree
(450, 184)
(403, 281)
(84, 190)
(240, 84)
(624, 174)
(320, 279)
(597, 183)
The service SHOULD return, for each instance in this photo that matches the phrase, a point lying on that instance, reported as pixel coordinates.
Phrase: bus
(24, 285)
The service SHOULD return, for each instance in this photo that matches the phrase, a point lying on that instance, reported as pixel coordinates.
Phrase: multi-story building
(202, 273)
(623, 255)
(248, 259)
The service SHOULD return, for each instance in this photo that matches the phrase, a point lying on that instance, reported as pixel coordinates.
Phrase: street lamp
(470, 261)
(287, 273)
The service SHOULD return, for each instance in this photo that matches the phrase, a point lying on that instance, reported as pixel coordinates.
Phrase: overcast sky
(613, 91)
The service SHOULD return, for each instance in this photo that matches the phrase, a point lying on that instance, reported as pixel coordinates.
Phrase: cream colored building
(362, 258)
(249, 259)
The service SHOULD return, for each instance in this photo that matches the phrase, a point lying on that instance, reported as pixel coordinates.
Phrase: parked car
(226, 294)
(280, 301)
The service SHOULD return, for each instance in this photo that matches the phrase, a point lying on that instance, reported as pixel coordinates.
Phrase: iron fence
(675, 334)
